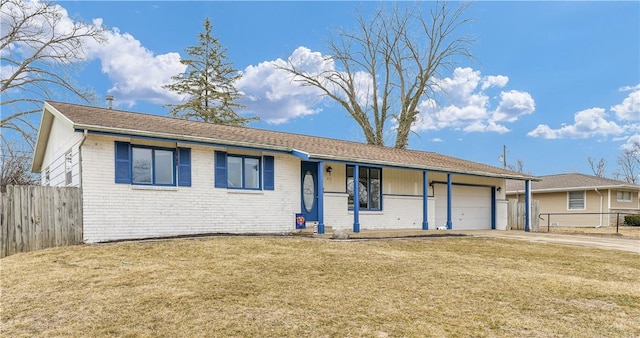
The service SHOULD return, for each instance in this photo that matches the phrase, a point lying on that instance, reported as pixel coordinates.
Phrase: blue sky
(556, 82)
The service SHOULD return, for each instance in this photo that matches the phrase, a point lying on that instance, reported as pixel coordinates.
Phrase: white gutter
(84, 138)
(601, 201)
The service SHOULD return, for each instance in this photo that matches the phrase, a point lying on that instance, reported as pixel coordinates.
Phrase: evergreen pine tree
(207, 84)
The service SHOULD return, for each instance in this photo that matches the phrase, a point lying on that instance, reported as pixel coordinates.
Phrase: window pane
(142, 165)
(234, 172)
(308, 191)
(576, 200)
(375, 188)
(364, 188)
(350, 187)
(164, 166)
(624, 196)
(251, 173)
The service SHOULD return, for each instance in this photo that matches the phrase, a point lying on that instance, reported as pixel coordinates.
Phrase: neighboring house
(150, 176)
(583, 200)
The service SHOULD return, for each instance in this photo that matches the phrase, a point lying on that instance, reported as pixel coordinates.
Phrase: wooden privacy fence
(516, 215)
(36, 217)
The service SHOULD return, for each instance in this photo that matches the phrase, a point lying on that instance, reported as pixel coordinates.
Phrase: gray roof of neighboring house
(111, 121)
(567, 182)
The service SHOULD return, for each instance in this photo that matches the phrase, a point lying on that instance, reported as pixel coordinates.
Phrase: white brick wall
(399, 212)
(122, 211)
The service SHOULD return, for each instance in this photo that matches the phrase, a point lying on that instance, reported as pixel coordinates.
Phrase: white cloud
(273, 94)
(494, 81)
(136, 72)
(629, 109)
(597, 122)
(628, 88)
(587, 123)
(491, 126)
(631, 143)
(276, 96)
(41, 27)
(436, 139)
(468, 106)
(513, 104)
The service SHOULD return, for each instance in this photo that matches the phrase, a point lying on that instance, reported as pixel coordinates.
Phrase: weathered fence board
(35, 218)
(516, 215)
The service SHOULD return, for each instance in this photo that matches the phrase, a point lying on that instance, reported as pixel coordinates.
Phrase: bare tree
(598, 168)
(385, 69)
(15, 166)
(517, 167)
(629, 164)
(39, 48)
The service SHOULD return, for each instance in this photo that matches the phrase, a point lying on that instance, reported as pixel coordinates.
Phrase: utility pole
(503, 158)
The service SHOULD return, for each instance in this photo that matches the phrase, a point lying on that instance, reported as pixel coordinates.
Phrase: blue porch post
(527, 205)
(449, 201)
(356, 198)
(320, 193)
(425, 200)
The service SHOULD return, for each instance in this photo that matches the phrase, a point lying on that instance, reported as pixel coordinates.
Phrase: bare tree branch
(399, 53)
(15, 166)
(517, 167)
(598, 168)
(39, 51)
(629, 164)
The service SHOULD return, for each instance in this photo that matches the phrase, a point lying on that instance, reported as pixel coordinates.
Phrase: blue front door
(309, 191)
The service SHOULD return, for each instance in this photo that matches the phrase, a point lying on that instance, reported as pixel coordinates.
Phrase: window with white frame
(576, 200)
(624, 196)
(243, 172)
(47, 176)
(234, 171)
(145, 165)
(152, 166)
(68, 163)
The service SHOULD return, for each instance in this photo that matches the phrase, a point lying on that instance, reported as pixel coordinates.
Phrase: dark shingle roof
(563, 182)
(130, 123)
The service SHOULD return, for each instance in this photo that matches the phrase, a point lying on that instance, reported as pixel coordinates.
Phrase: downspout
(81, 183)
(84, 138)
(601, 201)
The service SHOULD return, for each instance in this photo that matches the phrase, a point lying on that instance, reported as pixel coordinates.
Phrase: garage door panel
(471, 207)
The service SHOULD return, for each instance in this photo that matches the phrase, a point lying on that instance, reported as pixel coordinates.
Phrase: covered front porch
(406, 199)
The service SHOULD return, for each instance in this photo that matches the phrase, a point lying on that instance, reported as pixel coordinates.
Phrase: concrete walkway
(612, 243)
(601, 242)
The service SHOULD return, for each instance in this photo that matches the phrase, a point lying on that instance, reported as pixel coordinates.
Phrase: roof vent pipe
(109, 99)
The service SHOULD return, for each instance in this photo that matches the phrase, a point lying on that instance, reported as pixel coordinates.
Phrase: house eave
(49, 113)
(292, 151)
(587, 188)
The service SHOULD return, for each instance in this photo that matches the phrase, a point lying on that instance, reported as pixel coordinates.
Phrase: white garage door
(471, 209)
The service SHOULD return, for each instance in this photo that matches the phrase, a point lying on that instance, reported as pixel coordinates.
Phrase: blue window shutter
(269, 183)
(184, 167)
(220, 169)
(123, 162)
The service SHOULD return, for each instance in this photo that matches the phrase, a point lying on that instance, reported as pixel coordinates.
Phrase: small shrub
(632, 220)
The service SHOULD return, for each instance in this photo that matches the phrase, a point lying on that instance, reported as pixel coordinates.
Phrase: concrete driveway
(611, 243)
